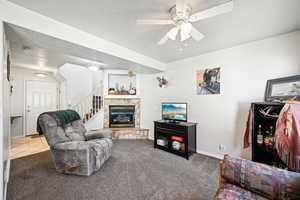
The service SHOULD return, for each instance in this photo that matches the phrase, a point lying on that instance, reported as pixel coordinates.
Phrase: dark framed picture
(283, 88)
(8, 67)
(208, 81)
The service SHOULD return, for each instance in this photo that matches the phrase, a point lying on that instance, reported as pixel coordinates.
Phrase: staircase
(90, 105)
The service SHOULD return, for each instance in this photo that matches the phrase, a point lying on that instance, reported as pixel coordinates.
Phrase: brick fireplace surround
(125, 133)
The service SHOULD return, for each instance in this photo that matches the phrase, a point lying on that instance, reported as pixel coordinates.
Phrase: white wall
(79, 82)
(244, 72)
(18, 77)
(4, 116)
(151, 95)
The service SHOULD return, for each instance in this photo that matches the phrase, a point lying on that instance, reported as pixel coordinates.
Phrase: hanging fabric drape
(288, 136)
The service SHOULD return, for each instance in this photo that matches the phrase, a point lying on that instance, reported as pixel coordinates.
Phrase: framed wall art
(283, 89)
(208, 81)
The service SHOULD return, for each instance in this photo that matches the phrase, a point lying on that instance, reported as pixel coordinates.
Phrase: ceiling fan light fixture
(185, 31)
(186, 28)
(182, 17)
(184, 36)
(172, 34)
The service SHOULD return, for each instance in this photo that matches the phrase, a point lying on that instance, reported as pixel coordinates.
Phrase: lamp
(186, 29)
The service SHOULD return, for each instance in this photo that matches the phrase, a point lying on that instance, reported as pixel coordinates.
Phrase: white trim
(6, 176)
(150, 138)
(2, 49)
(218, 156)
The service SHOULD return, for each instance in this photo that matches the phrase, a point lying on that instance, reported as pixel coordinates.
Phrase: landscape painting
(283, 89)
(286, 89)
(174, 111)
(208, 81)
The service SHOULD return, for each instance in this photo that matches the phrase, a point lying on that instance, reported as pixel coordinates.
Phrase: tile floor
(25, 146)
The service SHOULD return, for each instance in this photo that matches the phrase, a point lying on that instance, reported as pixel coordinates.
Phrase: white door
(40, 97)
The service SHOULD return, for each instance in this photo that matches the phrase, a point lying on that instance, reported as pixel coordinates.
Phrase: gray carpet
(136, 171)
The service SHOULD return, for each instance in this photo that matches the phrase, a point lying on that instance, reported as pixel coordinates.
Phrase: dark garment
(62, 118)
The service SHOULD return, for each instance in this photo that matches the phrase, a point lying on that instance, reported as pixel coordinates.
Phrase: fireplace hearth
(121, 116)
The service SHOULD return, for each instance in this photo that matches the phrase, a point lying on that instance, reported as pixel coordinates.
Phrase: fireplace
(121, 116)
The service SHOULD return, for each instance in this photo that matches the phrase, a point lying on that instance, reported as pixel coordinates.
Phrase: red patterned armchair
(247, 180)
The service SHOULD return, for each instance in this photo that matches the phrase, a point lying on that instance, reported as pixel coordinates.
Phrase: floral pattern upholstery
(231, 192)
(259, 179)
(75, 150)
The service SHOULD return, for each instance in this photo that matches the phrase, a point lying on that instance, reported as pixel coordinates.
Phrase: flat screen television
(174, 111)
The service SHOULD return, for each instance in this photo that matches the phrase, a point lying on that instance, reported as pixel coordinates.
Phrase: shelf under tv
(165, 130)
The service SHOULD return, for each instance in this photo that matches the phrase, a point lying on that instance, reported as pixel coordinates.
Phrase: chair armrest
(267, 181)
(98, 134)
(222, 180)
(75, 145)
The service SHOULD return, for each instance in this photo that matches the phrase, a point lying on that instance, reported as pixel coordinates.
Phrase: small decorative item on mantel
(111, 91)
(122, 84)
(132, 91)
(162, 81)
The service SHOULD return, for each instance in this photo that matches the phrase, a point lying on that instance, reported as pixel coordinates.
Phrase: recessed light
(93, 68)
(41, 75)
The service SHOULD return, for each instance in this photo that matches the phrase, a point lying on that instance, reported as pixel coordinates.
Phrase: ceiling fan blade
(211, 12)
(154, 21)
(196, 35)
(171, 34)
(184, 36)
(181, 7)
(163, 40)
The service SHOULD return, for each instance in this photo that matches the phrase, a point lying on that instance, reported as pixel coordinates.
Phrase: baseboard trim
(218, 156)
(17, 137)
(150, 138)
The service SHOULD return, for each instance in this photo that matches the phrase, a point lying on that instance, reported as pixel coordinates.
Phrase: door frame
(25, 99)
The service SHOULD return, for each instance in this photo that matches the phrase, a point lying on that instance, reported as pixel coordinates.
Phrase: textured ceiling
(116, 21)
(48, 53)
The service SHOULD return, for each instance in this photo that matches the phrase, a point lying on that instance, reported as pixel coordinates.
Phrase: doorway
(40, 96)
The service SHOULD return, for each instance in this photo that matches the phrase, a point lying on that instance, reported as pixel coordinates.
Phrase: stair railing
(89, 105)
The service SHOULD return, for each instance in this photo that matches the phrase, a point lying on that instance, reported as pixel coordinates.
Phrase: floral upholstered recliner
(247, 180)
(76, 151)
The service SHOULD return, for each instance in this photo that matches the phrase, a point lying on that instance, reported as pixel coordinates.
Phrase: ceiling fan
(182, 19)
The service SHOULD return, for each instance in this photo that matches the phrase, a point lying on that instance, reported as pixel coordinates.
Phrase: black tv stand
(168, 131)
